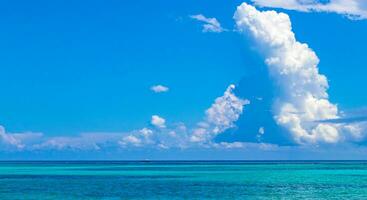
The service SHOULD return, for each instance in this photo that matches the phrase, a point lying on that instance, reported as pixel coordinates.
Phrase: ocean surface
(183, 180)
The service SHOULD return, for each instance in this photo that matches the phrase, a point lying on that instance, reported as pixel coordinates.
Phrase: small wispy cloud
(159, 88)
(344, 120)
(353, 9)
(352, 116)
(210, 24)
(260, 133)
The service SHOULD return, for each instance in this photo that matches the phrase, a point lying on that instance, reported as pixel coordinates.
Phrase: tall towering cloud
(354, 9)
(303, 96)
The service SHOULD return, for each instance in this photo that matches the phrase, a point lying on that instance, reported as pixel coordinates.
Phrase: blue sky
(75, 67)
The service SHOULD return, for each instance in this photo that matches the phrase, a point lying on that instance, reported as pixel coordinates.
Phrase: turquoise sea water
(183, 180)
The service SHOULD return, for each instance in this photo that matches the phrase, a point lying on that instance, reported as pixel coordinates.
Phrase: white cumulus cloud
(159, 88)
(293, 66)
(140, 138)
(130, 139)
(354, 9)
(210, 24)
(225, 110)
(158, 121)
(220, 116)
